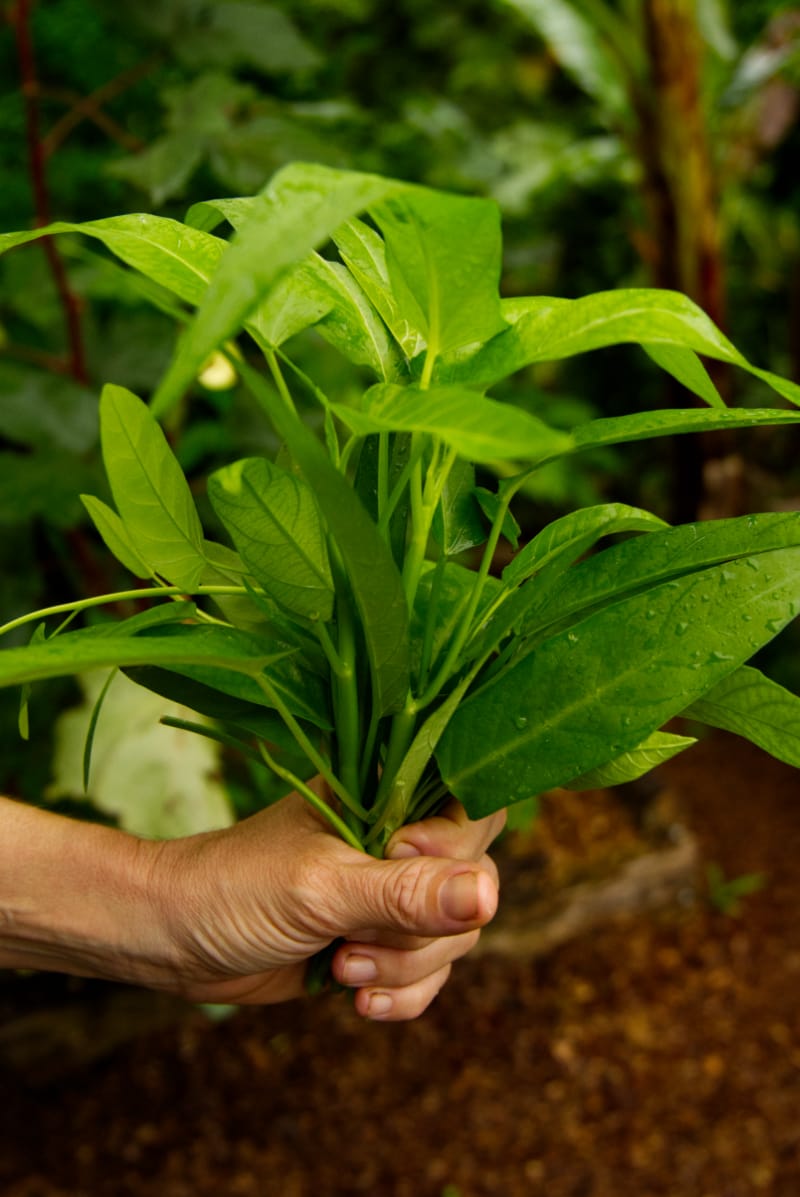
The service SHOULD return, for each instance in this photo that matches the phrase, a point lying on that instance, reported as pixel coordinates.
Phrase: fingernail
(401, 850)
(359, 970)
(458, 898)
(379, 1005)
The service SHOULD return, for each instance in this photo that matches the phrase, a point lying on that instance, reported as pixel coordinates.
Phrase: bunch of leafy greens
(340, 633)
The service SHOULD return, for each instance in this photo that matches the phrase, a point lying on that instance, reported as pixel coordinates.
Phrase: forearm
(82, 899)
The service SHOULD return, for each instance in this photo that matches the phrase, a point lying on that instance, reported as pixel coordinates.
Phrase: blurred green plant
(726, 893)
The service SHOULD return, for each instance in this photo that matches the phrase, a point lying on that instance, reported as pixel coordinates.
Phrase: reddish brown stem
(30, 91)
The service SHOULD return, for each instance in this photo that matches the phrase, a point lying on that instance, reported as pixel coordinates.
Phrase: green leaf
(567, 538)
(241, 33)
(598, 689)
(363, 252)
(179, 258)
(489, 502)
(151, 493)
(115, 536)
(641, 426)
(444, 254)
(226, 708)
(299, 210)
(644, 562)
(751, 705)
(452, 593)
(72, 652)
(478, 429)
(374, 578)
(546, 329)
(655, 750)
(276, 526)
(686, 367)
(316, 292)
(457, 524)
(92, 728)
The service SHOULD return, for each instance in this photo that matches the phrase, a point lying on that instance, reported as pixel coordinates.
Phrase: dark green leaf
(751, 705)
(457, 524)
(596, 691)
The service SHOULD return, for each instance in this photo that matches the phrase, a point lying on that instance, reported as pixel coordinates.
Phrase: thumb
(422, 896)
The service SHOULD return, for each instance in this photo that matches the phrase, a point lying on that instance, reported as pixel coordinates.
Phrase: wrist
(84, 899)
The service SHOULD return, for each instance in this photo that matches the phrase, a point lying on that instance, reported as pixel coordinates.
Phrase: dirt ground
(659, 1055)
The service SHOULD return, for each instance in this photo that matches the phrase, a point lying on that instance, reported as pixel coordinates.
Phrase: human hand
(251, 905)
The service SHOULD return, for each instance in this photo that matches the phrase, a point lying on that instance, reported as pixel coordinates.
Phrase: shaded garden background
(635, 142)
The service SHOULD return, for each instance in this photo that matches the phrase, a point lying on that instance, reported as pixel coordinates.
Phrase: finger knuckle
(406, 892)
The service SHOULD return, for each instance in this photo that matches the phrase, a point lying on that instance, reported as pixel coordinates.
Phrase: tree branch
(70, 302)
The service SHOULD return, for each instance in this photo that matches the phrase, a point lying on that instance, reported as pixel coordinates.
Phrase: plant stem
(316, 758)
(347, 715)
(99, 600)
(279, 380)
(462, 634)
(70, 302)
(318, 803)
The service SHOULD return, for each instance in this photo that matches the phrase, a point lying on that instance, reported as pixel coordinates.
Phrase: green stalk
(319, 805)
(99, 600)
(462, 634)
(347, 714)
(279, 380)
(430, 620)
(316, 758)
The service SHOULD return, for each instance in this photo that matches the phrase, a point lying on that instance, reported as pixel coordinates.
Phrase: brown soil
(657, 1055)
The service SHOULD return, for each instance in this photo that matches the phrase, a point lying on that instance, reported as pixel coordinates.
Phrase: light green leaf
(149, 489)
(276, 526)
(363, 252)
(301, 207)
(179, 258)
(546, 329)
(444, 254)
(567, 538)
(686, 367)
(641, 426)
(751, 705)
(655, 750)
(478, 429)
(600, 688)
(115, 536)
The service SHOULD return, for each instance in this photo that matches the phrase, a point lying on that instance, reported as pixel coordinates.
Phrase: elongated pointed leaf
(115, 536)
(639, 564)
(567, 538)
(363, 252)
(753, 706)
(72, 652)
(179, 258)
(655, 750)
(596, 691)
(276, 526)
(300, 209)
(457, 524)
(686, 367)
(545, 329)
(642, 426)
(374, 578)
(478, 429)
(150, 490)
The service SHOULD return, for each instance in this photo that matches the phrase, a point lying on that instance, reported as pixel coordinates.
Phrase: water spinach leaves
(342, 630)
